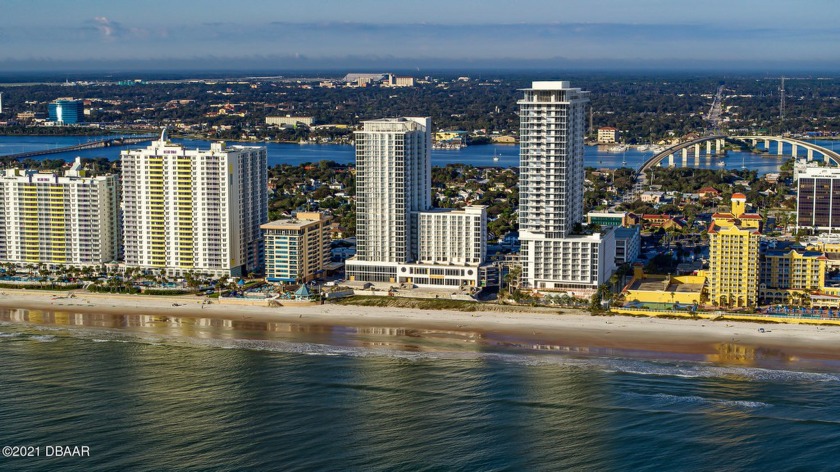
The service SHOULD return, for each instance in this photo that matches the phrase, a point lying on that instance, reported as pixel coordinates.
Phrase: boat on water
(721, 163)
(617, 148)
(643, 148)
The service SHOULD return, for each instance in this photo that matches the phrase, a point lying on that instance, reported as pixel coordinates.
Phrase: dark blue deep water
(211, 395)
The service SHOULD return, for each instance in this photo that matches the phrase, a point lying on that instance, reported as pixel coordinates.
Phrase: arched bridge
(717, 141)
(795, 146)
(714, 146)
(122, 141)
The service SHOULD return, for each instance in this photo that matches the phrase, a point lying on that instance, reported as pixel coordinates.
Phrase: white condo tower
(552, 120)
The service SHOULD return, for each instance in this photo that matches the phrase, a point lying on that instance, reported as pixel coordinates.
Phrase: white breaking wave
(602, 364)
(668, 399)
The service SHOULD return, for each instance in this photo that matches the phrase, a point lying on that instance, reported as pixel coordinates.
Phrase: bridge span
(717, 140)
(828, 155)
(714, 146)
(121, 141)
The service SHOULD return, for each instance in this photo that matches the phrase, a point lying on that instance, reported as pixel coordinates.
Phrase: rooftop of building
(294, 223)
(626, 232)
(783, 248)
(659, 285)
(466, 209)
(409, 122)
(75, 172)
(619, 214)
(828, 172)
(714, 228)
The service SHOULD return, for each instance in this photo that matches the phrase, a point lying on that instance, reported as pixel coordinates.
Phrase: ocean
(482, 155)
(178, 394)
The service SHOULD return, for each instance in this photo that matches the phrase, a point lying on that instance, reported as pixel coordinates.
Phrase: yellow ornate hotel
(733, 260)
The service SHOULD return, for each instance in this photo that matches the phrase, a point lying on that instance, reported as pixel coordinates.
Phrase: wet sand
(533, 330)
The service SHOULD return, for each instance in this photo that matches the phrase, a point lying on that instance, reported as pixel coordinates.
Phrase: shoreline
(518, 329)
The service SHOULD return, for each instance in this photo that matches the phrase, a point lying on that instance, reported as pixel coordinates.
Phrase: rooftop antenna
(782, 102)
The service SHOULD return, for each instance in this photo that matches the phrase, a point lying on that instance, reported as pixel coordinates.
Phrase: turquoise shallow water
(219, 395)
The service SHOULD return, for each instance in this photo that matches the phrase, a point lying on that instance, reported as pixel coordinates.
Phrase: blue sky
(341, 32)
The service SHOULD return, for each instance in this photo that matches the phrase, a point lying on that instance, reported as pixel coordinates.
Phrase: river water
(508, 155)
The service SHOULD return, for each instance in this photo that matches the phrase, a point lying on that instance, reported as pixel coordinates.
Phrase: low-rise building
(652, 197)
(610, 219)
(708, 192)
(288, 120)
(297, 249)
(607, 135)
(664, 291)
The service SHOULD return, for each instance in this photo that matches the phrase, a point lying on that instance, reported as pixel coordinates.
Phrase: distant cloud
(109, 29)
(108, 38)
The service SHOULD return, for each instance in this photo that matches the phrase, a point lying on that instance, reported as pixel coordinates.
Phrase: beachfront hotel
(733, 256)
(790, 273)
(70, 220)
(297, 249)
(400, 239)
(556, 256)
(191, 210)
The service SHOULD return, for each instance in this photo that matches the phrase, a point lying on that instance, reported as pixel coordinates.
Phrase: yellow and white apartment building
(70, 220)
(191, 210)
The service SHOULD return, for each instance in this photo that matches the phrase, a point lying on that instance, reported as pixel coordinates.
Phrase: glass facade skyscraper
(66, 111)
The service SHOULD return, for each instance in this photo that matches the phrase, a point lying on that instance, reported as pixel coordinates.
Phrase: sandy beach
(572, 327)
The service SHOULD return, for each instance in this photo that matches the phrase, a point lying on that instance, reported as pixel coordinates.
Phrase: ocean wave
(601, 364)
(44, 338)
(669, 399)
(9, 335)
(700, 370)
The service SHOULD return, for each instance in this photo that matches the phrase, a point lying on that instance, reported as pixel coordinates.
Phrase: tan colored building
(297, 249)
(400, 81)
(288, 120)
(607, 135)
